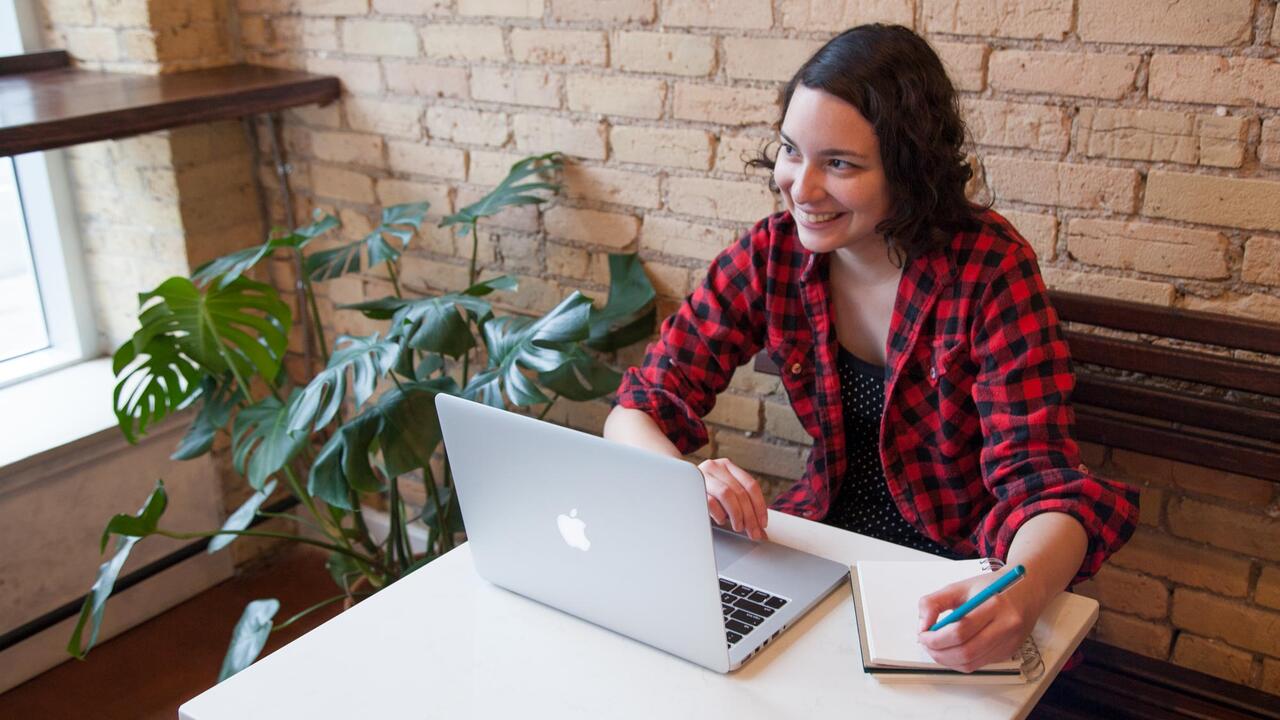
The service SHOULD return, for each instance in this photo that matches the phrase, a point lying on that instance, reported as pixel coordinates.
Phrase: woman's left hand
(992, 632)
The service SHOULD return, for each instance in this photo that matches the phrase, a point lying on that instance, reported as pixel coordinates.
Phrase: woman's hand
(992, 632)
(734, 497)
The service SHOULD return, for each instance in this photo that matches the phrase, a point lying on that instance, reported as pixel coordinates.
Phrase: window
(45, 320)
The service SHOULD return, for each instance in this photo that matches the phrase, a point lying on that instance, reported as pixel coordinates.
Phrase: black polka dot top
(863, 503)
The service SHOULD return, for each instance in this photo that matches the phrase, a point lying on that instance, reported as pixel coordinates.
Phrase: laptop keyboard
(744, 608)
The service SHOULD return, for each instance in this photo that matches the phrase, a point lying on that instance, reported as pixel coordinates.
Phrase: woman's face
(829, 172)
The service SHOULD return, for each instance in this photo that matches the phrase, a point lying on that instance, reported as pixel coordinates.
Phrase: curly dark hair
(897, 82)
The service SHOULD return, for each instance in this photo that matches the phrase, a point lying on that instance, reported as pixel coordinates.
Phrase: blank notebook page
(891, 592)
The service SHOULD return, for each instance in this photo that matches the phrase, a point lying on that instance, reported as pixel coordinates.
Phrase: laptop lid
(612, 534)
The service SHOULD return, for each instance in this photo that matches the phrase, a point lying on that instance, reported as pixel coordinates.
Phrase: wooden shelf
(45, 103)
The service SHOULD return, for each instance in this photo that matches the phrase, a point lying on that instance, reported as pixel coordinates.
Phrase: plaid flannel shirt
(976, 432)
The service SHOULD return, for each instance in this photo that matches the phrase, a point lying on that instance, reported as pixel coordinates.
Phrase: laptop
(620, 537)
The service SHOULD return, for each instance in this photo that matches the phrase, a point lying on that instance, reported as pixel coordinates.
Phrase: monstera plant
(347, 437)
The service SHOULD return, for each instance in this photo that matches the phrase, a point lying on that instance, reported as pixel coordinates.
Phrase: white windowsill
(54, 410)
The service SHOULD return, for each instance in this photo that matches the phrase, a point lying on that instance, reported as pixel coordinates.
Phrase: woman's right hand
(734, 498)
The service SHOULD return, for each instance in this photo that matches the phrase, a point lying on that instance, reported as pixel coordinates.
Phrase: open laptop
(620, 537)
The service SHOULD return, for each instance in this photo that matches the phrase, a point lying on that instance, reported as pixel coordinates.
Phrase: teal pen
(1014, 574)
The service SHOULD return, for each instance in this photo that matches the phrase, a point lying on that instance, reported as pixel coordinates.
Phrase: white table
(444, 643)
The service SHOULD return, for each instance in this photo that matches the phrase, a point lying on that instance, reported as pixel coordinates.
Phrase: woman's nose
(807, 186)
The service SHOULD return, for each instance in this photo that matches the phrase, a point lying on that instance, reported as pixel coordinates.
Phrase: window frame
(56, 251)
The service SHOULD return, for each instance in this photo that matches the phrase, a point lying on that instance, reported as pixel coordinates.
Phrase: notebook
(886, 595)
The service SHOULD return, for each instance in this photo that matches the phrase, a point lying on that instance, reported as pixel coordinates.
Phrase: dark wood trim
(34, 62)
(1192, 325)
(1131, 432)
(1211, 414)
(65, 107)
(1174, 363)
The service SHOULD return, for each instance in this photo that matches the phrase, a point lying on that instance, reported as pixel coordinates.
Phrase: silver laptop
(620, 537)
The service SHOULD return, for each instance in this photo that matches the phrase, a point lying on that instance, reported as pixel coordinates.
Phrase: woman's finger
(754, 494)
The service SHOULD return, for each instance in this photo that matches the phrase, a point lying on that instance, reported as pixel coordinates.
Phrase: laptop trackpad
(729, 547)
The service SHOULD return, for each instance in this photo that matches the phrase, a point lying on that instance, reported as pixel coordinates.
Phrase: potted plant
(352, 432)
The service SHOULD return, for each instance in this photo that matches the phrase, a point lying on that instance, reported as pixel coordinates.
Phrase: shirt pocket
(949, 364)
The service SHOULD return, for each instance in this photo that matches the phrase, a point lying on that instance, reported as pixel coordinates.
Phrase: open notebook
(885, 598)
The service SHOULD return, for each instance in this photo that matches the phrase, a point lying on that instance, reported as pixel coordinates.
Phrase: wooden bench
(1191, 386)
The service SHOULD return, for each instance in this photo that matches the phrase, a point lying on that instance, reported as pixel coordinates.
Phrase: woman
(916, 343)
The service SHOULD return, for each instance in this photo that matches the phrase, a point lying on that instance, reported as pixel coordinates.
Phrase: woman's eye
(788, 149)
(841, 164)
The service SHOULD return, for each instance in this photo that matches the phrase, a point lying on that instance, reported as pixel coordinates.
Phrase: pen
(1015, 573)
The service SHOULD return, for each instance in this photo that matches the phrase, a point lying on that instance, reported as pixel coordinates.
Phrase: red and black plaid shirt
(976, 434)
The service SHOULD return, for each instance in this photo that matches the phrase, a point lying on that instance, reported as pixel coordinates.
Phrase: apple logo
(573, 530)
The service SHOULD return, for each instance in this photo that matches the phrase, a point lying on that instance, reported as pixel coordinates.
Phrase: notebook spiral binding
(1032, 664)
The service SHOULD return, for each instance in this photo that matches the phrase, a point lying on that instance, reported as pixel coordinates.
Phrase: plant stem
(395, 278)
(308, 611)
(296, 486)
(267, 534)
(295, 518)
(316, 325)
(429, 483)
(475, 249)
(547, 409)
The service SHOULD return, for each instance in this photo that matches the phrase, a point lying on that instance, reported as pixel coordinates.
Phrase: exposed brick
(1229, 620)
(307, 33)
(416, 271)
(542, 133)
(612, 186)
(1159, 249)
(1213, 657)
(357, 76)
(733, 152)
(1055, 183)
(610, 11)
(384, 117)
(823, 15)
(1049, 19)
(669, 53)
(341, 147)
(1039, 230)
(1165, 22)
(1271, 666)
(376, 37)
(1222, 140)
(423, 159)
(334, 7)
(467, 126)
(725, 105)
(781, 421)
(341, 184)
(678, 238)
(1254, 306)
(747, 380)
(70, 12)
(1215, 79)
(395, 192)
(1268, 590)
(740, 412)
(1185, 563)
(1133, 134)
(1213, 200)
(1063, 73)
(425, 79)
(1127, 592)
(1194, 478)
(412, 7)
(1118, 288)
(1261, 261)
(1006, 124)
(662, 146)
(766, 58)
(1269, 146)
(1135, 634)
(523, 218)
(758, 456)
(611, 230)
(720, 199)
(487, 167)
(558, 47)
(614, 95)
(966, 63)
(716, 13)
(572, 262)
(501, 8)
(672, 281)
(584, 416)
(519, 86)
(1245, 532)
(463, 42)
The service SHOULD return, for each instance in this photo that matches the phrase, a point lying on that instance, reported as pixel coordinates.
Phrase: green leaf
(150, 384)
(399, 222)
(231, 266)
(582, 377)
(342, 568)
(433, 324)
(517, 344)
(453, 512)
(249, 636)
(403, 423)
(512, 191)
(240, 519)
(368, 358)
(132, 529)
(629, 313)
(261, 441)
(215, 411)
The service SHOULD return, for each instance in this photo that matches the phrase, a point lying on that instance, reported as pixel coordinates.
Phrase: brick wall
(1136, 144)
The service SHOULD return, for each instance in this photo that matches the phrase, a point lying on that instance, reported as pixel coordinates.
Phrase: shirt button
(933, 373)
(796, 368)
